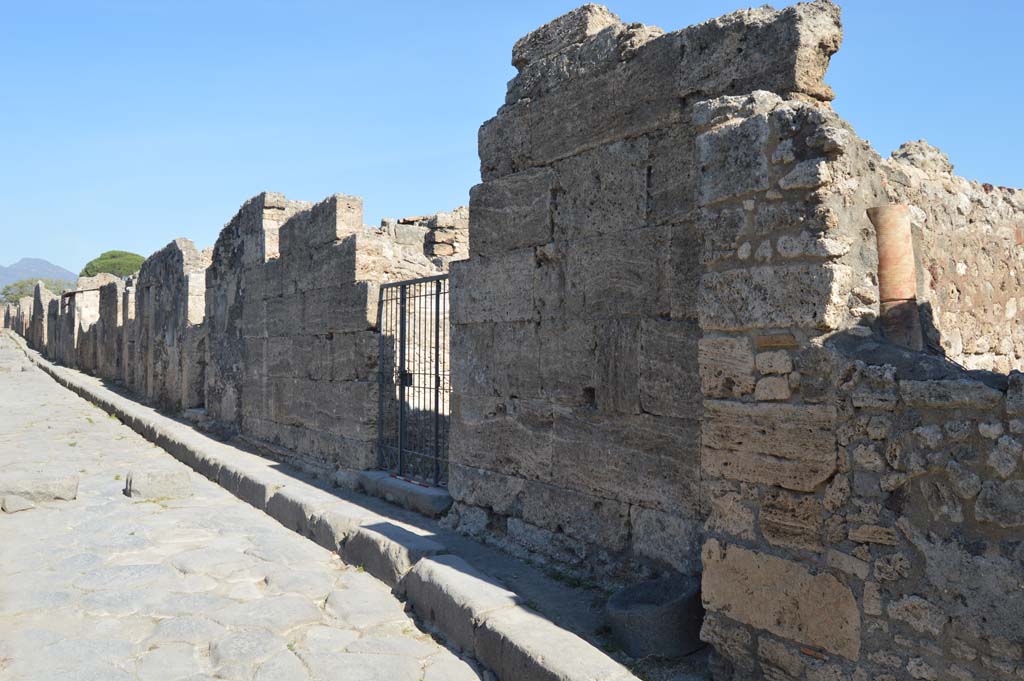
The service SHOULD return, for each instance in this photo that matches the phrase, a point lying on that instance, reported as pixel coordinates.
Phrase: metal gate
(414, 386)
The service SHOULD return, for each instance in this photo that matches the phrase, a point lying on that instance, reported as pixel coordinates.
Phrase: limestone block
(657, 617)
(498, 289)
(673, 178)
(627, 277)
(12, 503)
(792, 446)
(772, 388)
(511, 212)
(510, 436)
(324, 223)
(726, 366)
(665, 537)
(341, 308)
(387, 551)
(566, 31)
(791, 520)
(658, 456)
(568, 364)
(454, 596)
(476, 486)
(520, 645)
(580, 516)
(774, 362)
(1001, 503)
(617, 367)
(668, 368)
(38, 488)
(730, 516)
(685, 270)
(805, 295)
(154, 485)
(950, 394)
(782, 597)
(733, 159)
(352, 356)
(501, 358)
(601, 192)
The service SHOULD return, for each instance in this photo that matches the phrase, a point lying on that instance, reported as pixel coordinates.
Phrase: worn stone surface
(108, 587)
(781, 597)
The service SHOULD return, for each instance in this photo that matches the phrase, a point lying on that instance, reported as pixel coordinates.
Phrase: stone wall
(293, 340)
(169, 309)
(110, 332)
(41, 298)
(968, 238)
(577, 397)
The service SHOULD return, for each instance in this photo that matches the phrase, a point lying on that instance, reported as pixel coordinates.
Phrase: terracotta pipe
(897, 276)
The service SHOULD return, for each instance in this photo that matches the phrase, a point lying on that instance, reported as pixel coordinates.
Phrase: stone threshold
(515, 620)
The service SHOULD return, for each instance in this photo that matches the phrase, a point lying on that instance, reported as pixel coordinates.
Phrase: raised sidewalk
(474, 595)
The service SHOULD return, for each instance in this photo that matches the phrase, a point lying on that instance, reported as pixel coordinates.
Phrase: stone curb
(472, 610)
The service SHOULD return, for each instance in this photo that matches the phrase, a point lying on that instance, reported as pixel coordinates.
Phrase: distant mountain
(34, 268)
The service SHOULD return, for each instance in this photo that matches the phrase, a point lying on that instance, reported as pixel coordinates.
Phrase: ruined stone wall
(577, 401)
(109, 332)
(38, 333)
(169, 310)
(245, 244)
(307, 328)
(23, 317)
(848, 482)
(968, 238)
(129, 360)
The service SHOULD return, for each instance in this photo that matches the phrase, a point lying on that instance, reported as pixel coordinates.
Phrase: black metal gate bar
(413, 381)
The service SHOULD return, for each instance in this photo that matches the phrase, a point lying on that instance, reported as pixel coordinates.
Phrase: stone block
(454, 596)
(332, 525)
(669, 383)
(601, 192)
(950, 394)
(510, 436)
(498, 289)
(781, 597)
(520, 645)
(154, 485)
(1001, 503)
(595, 453)
(807, 295)
(733, 159)
(353, 356)
(567, 359)
(792, 521)
(617, 367)
(624, 277)
(685, 271)
(791, 446)
(562, 33)
(500, 492)
(12, 503)
(497, 358)
(387, 551)
(294, 506)
(342, 308)
(726, 366)
(581, 516)
(673, 178)
(511, 213)
(666, 537)
(39, 488)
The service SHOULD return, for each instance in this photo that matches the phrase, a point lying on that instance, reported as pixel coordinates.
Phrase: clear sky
(127, 123)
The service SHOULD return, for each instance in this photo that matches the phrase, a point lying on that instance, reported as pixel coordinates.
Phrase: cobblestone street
(108, 587)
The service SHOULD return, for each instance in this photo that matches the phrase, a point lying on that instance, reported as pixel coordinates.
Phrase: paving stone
(12, 503)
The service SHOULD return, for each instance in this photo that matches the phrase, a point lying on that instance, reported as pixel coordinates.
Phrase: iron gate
(414, 387)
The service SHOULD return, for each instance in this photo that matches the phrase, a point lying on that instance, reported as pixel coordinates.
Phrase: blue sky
(127, 123)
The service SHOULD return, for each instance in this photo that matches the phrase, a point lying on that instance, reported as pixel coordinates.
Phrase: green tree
(19, 289)
(120, 263)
